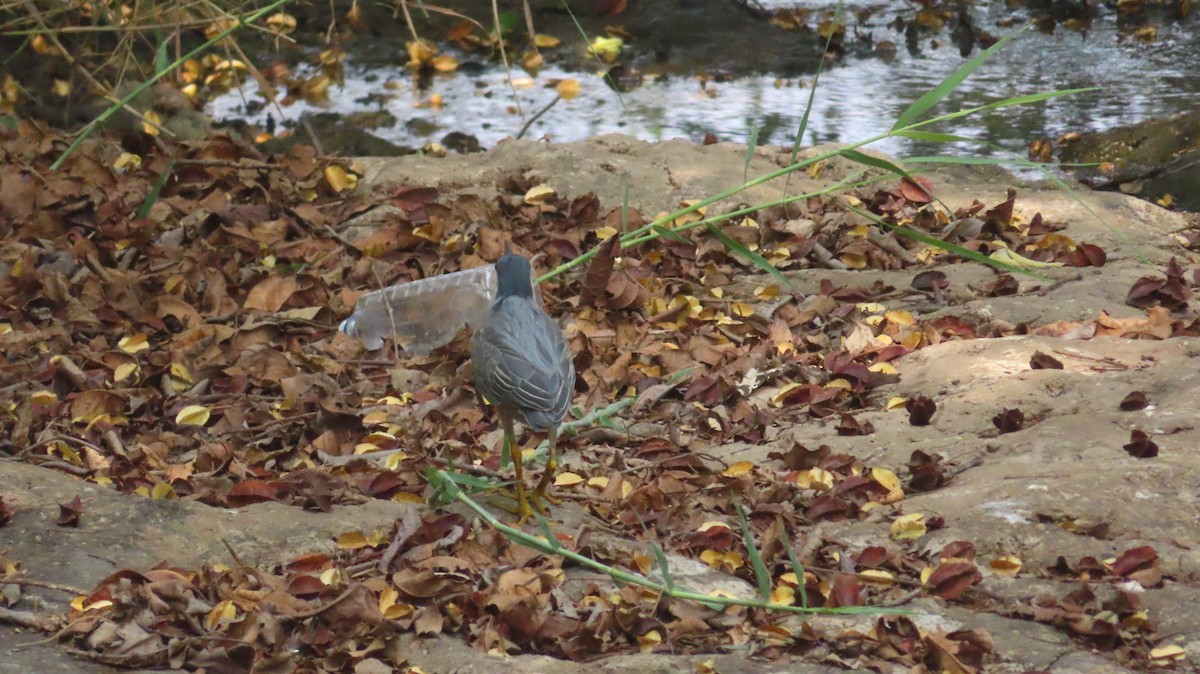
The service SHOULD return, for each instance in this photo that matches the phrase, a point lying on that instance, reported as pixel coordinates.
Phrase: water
(856, 98)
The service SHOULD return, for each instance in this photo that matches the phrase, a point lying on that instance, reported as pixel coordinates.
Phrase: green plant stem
(91, 127)
(551, 546)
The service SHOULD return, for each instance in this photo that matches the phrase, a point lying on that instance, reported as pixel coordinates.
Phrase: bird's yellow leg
(539, 493)
(523, 508)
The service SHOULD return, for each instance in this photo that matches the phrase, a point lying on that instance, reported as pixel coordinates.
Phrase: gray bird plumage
(522, 362)
(523, 366)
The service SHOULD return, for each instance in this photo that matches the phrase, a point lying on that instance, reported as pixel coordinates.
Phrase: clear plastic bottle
(423, 315)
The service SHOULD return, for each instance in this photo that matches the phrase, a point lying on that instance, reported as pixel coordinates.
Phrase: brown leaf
(950, 580)
(1089, 255)
(962, 549)
(929, 281)
(271, 293)
(1134, 400)
(599, 271)
(1134, 559)
(430, 621)
(920, 410)
(846, 591)
(69, 512)
(849, 426)
(1009, 421)
(1042, 361)
(250, 491)
(1140, 445)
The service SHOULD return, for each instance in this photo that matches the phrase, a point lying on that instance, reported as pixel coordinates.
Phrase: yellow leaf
(538, 194)
(767, 292)
(43, 398)
(125, 371)
(1006, 565)
(545, 41)
(126, 161)
(815, 478)
(134, 343)
(908, 527)
(281, 23)
(784, 595)
(531, 61)
(884, 368)
(420, 51)
(840, 383)
(391, 607)
(648, 641)
(607, 48)
(603, 233)
(890, 482)
(900, 317)
(643, 562)
(163, 491)
(1165, 654)
(896, 403)
(737, 469)
(599, 482)
(712, 524)
(5, 328)
(568, 88)
(876, 576)
(567, 479)
(152, 123)
(351, 540)
(332, 576)
(339, 179)
(408, 497)
(393, 461)
(854, 260)
(221, 615)
(445, 64)
(742, 309)
(375, 418)
(180, 375)
(193, 415)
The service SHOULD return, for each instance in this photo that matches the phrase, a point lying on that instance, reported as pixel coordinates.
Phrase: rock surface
(1012, 497)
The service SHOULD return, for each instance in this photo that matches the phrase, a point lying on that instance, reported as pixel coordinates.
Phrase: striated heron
(523, 368)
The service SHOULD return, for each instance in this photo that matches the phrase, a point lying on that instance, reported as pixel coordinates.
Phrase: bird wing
(521, 360)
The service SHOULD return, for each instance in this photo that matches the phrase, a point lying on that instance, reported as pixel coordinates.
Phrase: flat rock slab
(1009, 499)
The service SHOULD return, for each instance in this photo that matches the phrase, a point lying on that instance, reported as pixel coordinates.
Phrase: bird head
(512, 272)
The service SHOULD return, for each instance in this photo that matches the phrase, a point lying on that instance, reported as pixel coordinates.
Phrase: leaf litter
(192, 353)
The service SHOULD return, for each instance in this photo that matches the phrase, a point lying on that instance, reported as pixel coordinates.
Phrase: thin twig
(324, 607)
(525, 128)
(30, 582)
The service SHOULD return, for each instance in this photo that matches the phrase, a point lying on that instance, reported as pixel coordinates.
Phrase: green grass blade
(943, 89)
(739, 248)
(661, 558)
(155, 190)
(551, 539)
(162, 61)
(670, 234)
(751, 143)
(934, 137)
(947, 246)
(756, 561)
(812, 91)
(1015, 100)
(797, 567)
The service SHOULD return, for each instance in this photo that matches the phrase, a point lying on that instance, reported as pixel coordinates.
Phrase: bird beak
(508, 248)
